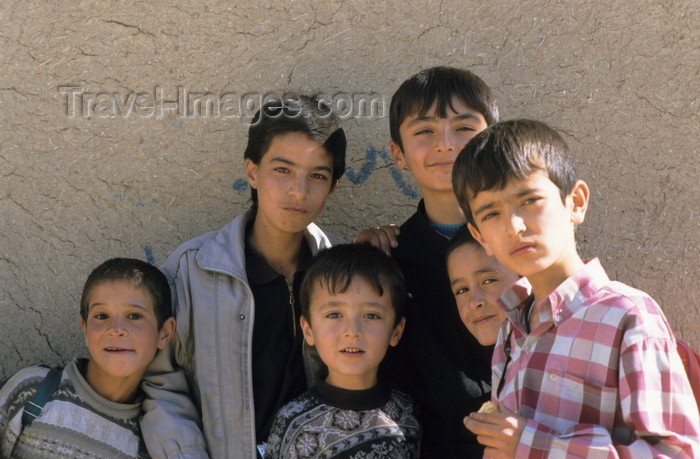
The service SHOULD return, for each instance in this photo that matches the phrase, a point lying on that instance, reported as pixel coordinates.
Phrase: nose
(476, 299)
(516, 224)
(299, 186)
(116, 327)
(445, 140)
(353, 327)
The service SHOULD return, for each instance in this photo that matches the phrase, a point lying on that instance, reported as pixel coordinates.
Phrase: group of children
(290, 343)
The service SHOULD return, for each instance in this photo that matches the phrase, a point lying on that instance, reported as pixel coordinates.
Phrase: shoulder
(221, 249)
(285, 425)
(321, 239)
(402, 406)
(298, 405)
(26, 378)
(19, 388)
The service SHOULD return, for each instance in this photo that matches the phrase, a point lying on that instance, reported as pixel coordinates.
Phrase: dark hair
(511, 150)
(440, 84)
(305, 114)
(462, 237)
(137, 272)
(335, 268)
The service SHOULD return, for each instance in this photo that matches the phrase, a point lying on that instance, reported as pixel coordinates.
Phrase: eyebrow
(137, 306)
(519, 194)
(335, 304)
(461, 117)
(289, 162)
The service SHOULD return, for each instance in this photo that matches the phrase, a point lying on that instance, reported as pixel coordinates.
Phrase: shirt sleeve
(170, 424)
(657, 416)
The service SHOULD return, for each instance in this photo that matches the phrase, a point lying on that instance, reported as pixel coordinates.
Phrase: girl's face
(293, 180)
(478, 281)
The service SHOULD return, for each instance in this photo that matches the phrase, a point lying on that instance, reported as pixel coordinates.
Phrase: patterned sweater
(327, 422)
(76, 422)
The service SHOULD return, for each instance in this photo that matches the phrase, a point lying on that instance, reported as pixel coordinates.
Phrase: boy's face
(477, 281)
(293, 181)
(352, 332)
(121, 333)
(431, 144)
(528, 228)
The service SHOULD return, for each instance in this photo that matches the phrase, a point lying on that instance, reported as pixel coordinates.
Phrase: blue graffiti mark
(240, 185)
(149, 254)
(359, 177)
(370, 165)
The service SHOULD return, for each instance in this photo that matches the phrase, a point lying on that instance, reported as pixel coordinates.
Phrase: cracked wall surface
(100, 156)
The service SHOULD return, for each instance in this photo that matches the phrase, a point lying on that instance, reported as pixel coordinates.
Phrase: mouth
(352, 351)
(483, 319)
(116, 349)
(522, 248)
(447, 164)
(296, 209)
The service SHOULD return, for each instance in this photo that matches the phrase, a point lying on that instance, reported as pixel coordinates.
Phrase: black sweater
(438, 362)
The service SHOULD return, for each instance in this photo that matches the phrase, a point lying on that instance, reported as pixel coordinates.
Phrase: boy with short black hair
(240, 353)
(352, 310)
(584, 366)
(433, 114)
(94, 408)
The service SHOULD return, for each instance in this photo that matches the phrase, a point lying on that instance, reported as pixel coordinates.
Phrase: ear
(251, 173)
(333, 187)
(397, 155)
(306, 328)
(83, 327)
(166, 333)
(578, 199)
(398, 332)
(480, 239)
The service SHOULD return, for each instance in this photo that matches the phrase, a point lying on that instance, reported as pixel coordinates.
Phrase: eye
(101, 316)
(423, 131)
(333, 315)
(281, 170)
(488, 216)
(373, 316)
(135, 316)
(531, 200)
(489, 281)
(461, 291)
(318, 176)
(465, 129)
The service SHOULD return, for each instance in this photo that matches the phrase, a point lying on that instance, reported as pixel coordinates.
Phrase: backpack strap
(35, 405)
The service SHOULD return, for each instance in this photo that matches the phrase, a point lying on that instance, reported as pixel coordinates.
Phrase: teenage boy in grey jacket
(235, 295)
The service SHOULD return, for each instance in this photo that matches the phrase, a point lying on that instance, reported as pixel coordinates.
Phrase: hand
(381, 237)
(499, 432)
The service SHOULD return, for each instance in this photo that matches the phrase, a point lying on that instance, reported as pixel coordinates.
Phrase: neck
(116, 389)
(546, 281)
(279, 249)
(443, 208)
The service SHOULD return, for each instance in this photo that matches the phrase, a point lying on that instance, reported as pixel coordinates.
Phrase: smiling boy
(352, 311)
(588, 366)
(477, 281)
(433, 114)
(125, 317)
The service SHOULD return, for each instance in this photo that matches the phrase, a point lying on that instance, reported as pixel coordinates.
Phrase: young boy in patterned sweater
(584, 366)
(125, 315)
(352, 300)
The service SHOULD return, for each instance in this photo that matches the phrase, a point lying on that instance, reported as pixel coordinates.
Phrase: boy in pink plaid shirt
(584, 366)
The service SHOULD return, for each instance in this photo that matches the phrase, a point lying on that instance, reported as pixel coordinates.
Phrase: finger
(392, 232)
(478, 428)
(374, 236)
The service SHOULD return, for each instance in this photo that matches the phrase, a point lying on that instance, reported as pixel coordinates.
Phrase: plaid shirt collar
(562, 302)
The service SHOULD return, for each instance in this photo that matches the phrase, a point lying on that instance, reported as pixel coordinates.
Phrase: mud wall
(122, 128)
